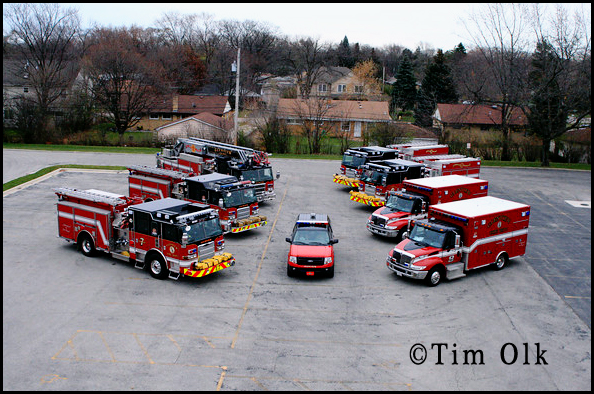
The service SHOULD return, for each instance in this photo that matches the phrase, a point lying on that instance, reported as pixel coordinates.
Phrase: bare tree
(306, 58)
(125, 83)
(312, 114)
(560, 78)
(45, 36)
(500, 33)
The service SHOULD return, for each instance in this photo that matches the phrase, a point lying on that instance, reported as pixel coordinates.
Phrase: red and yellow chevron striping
(247, 227)
(209, 270)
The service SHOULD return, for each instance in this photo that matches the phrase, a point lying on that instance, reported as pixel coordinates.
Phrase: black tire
(435, 276)
(157, 266)
(290, 273)
(330, 273)
(86, 244)
(501, 262)
(399, 236)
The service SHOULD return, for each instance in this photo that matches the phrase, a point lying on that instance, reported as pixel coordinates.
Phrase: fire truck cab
(460, 236)
(354, 158)
(235, 200)
(311, 250)
(169, 237)
(378, 178)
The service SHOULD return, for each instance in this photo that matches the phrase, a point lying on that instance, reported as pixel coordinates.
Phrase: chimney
(175, 103)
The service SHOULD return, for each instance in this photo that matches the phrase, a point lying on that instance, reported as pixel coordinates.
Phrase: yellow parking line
(247, 302)
(577, 297)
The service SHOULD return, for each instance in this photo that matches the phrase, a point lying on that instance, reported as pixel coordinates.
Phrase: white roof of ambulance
(479, 206)
(446, 180)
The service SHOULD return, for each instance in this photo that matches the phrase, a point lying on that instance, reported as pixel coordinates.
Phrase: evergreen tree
(405, 88)
(344, 54)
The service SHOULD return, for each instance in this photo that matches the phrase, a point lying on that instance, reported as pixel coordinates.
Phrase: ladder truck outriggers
(416, 196)
(235, 201)
(461, 236)
(199, 156)
(169, 237)
(354, 158)
(378, 178)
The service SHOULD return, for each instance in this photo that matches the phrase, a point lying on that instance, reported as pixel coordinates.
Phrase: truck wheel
(330, 273)
(435, 276)
(290, 271)
(157, 267)
(400, 235)
(86, 245)
(501, 262)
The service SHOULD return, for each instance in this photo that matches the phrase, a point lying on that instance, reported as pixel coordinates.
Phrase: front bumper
(385, 231)
(209, 266)
(265, 195)
(248, 224)
(310, 271)
(401, 270)
(366, 199)
(345, 180)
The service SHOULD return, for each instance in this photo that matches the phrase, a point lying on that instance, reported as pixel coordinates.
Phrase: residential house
(339, 83)
(177, 107)
(340, 117)
(203, 125)
(475, 117)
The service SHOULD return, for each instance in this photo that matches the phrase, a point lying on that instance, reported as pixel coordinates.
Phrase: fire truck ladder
(92, 195)
(158, 171)
(243, 152)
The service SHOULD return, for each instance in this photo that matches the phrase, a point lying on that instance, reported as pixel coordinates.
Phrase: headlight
(255, 211)
(327, 260)
(293, 259)
(417, 267)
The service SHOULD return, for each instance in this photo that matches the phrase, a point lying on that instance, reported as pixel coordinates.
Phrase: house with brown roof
(475, 117)
(203, 125)
(338, 83)
(176, 107)
(339, 117)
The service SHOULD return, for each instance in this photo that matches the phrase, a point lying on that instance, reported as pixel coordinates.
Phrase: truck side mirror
(277, 174)
(288, 239)
(423, 206)
(457, 241)
(333, 241)
(221, 204)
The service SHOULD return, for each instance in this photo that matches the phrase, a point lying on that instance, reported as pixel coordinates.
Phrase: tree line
(528, 56)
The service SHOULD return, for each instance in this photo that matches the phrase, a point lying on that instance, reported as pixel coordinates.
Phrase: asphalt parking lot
(77, 323)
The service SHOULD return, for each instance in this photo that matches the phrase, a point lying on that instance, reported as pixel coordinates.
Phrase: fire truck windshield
(371, 176)
(311, 236)
(259, 175)
(203, 230)
(352, 161)
(400, 204)
(427, 236)
(239, 197)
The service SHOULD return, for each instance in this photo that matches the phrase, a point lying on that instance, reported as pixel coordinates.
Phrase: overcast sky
(434, 25)
(375, 24)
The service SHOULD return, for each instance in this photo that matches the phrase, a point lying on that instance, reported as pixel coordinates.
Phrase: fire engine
(450, 164)
(460, 236)
(379, 178)
(170, 238)
(411, 152)
(235, 201)
(354, 158)
(200, 156)
(312, 250)
(412, 201)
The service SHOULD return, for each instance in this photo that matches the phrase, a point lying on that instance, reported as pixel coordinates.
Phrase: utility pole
(236, 115)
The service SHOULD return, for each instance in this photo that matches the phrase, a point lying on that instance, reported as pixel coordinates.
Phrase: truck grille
(310, 260)
(350, 173)
(400, 260)
(378, 221)
(206, 250)
(243, 213)
(368, 189)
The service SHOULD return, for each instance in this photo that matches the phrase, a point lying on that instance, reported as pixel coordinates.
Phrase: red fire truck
(235, 201)
(200, 156)
(415, 197)
(379, 178)
(174, 237)
(460, 236)
(424, 150)
(354, 158)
